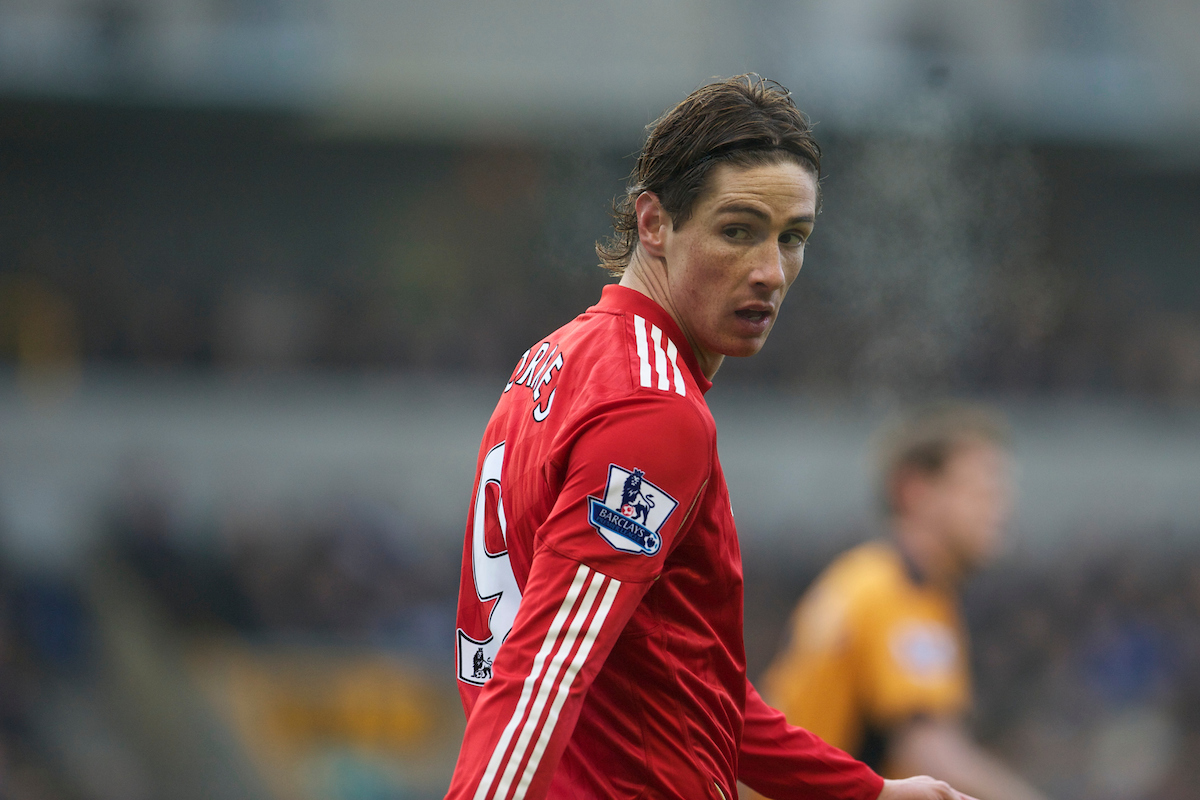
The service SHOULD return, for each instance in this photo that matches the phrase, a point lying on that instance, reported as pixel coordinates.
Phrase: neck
(649, 276)
(927, 552)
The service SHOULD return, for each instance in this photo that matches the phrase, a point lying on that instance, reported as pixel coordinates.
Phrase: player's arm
(941, 746)
(585, 583)
(570, 617)
(916, 676)
(782, 761)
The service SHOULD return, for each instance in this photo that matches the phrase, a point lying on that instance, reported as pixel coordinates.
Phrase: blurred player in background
(600, 650)
(877, 659)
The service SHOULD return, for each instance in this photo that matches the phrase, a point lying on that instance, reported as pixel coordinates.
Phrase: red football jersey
(600, 649)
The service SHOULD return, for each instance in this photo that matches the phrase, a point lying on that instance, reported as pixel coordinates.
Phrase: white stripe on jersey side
(564, 686)
(643, 350)
(673, 357)
(546, 684)
(489, 774)
(660, 358)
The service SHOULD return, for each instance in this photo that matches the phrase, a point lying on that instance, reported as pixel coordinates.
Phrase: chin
(976, 561)
(743, 348)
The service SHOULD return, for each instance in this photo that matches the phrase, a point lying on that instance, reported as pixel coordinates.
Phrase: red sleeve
(631, 479)
(632, 474)
(570, 617)
(784, 762)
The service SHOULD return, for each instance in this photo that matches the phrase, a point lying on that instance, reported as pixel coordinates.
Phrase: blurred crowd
(340, 567)
(941, 263)
(1086, 668)
(44, 637)
(1084, 661)
(332, 591)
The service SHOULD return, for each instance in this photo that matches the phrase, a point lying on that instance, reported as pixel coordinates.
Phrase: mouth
(755, 312)
(755, 318)
(753, 315)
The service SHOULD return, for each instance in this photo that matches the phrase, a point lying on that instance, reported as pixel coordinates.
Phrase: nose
(770, 268)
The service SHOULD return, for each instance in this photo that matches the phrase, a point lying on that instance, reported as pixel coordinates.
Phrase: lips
(755, 318)
(755, 312)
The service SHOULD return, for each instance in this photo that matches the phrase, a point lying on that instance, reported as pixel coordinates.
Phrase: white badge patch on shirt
(631, 512)
(926, 650)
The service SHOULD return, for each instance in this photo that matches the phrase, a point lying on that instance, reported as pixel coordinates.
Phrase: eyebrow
(754, 211)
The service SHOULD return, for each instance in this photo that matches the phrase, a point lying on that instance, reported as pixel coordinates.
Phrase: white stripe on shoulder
(564, 686)
(666, 364)
(660, 358)
(643, 350)
(673, 357)
(531, 681)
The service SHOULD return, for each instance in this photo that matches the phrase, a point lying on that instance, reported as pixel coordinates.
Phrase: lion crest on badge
(635, 503)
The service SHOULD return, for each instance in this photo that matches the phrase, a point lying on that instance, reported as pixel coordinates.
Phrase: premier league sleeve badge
(632, 511)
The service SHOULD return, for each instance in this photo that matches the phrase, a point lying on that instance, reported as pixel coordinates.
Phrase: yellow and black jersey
(871, 647)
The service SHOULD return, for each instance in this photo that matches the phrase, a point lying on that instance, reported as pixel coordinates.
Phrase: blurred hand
(921, 787)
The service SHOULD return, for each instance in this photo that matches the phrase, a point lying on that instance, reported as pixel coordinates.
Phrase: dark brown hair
(923, 441)
(745, 120)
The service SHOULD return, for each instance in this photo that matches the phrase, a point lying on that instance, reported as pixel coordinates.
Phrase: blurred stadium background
(264, 265)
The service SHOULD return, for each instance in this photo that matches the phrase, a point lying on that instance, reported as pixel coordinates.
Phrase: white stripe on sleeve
(546, 684)
(535, 673)
(564, 686)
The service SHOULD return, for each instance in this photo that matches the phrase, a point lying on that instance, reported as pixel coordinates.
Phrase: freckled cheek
(713, 270)
(696, 299)
(791, 272)
(794, 264)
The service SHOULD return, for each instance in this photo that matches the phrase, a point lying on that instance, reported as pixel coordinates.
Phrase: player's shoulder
(867, 575)
(640, 357)
(622, 356)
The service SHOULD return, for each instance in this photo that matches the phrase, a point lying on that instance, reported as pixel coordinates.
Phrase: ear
(653, 222)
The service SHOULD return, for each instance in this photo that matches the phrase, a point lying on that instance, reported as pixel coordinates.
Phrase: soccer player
(599, 638)
(876, 663)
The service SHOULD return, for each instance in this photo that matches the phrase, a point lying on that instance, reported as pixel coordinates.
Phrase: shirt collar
(622, 298)
(915, 575)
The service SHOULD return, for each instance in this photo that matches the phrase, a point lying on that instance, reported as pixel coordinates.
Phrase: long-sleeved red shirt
(600, 649)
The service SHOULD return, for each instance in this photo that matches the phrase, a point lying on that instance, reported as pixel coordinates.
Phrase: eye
(737, 233)
(793, 238)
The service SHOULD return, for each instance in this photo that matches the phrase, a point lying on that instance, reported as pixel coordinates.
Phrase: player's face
(972, 501)
(729, 266)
